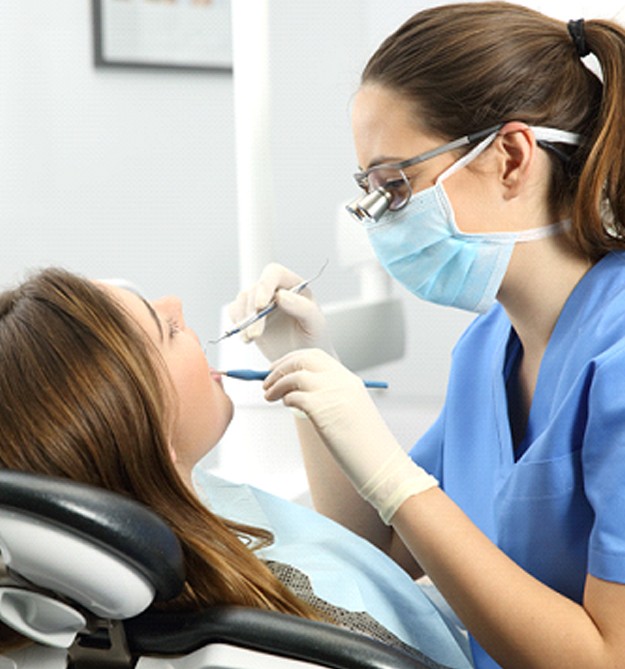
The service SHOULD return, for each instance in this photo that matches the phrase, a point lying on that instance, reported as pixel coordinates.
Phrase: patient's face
(204, 410)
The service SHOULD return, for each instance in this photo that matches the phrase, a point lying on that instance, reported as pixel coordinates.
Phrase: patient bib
(344, 569)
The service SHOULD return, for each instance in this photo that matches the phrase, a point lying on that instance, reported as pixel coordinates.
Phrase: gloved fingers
(305, 314)
(257, 328)
(274, 277)
(308, 370)
(238, 309)
(290, 389)
(312, 359)
(291, 374)
(301, 307)
(255, 298)
(303, 390)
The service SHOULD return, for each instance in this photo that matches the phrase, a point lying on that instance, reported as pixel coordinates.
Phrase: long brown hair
(473, 65)
(82, 396)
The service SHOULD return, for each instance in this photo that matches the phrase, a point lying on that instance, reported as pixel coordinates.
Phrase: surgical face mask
(422, 247)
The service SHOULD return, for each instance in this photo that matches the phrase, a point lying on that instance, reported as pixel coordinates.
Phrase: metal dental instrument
(258, 375)
(265, 311)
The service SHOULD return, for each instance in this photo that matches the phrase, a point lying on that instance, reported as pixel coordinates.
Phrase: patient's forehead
(136, 307)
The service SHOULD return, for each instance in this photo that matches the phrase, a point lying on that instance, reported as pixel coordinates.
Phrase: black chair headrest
(121, 525)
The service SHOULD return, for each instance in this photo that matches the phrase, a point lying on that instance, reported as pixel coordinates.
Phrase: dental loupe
(370, 206)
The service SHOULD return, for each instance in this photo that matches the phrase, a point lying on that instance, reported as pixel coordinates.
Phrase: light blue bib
(343, 568)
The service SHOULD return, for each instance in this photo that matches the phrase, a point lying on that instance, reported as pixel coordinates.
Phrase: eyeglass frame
(362, 177)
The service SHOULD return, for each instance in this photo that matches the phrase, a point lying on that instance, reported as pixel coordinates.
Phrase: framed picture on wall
(179, 34)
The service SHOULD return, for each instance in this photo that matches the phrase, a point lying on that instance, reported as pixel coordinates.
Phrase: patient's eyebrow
(155, 317)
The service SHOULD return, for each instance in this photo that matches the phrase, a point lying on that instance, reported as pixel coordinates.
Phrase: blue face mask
(422, 247)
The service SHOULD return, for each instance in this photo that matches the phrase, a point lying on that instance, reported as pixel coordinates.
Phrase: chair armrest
(266, 631)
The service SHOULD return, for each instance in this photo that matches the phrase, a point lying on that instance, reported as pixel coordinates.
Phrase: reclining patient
(100, 386)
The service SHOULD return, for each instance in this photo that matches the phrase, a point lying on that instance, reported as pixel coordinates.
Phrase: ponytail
(599, 206)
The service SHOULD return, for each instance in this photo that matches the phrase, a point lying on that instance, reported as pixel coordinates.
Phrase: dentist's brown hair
(470, 66)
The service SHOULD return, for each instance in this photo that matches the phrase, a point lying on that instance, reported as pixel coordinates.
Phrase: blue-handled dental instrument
(261, 375)
(265, 311)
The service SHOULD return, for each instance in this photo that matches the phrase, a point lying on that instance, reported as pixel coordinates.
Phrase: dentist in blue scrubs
(493, 164)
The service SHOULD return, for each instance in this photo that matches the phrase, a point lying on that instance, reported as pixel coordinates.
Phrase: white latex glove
(296, 323)
(348, 422)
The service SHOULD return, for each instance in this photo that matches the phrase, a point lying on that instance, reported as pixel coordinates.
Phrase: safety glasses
(387, 187)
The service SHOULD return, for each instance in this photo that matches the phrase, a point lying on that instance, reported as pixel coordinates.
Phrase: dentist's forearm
(332, 492)
(334, 496)
(518, 620)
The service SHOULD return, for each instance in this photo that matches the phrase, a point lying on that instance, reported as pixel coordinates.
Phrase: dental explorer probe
(254, 375)
(265, 311)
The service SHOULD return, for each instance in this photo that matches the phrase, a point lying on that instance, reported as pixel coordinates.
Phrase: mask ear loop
(467, 158)
(540, 133)
(555, 135)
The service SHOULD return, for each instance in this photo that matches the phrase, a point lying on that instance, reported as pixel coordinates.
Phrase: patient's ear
(172, 454)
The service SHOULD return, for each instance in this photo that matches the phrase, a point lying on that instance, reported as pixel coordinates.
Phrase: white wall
(113, 172)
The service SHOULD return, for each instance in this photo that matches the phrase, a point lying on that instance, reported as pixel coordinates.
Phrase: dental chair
(81, 568)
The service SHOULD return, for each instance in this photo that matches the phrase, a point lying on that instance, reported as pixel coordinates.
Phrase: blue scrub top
(556, 505)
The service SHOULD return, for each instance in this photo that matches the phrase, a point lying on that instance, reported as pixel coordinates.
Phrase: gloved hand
(348, 422)
(296, 323)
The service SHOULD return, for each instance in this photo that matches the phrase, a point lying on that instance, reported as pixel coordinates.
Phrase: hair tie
(578, 35)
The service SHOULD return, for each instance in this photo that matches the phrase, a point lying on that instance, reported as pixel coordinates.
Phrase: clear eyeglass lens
(393, 182)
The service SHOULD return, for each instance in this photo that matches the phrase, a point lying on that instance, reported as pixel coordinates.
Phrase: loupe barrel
(370, 206)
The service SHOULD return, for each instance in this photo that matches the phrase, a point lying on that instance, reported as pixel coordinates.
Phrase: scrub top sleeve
(603, 461)
(428, 451)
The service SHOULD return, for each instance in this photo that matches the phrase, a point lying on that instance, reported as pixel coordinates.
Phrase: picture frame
(171, 34)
